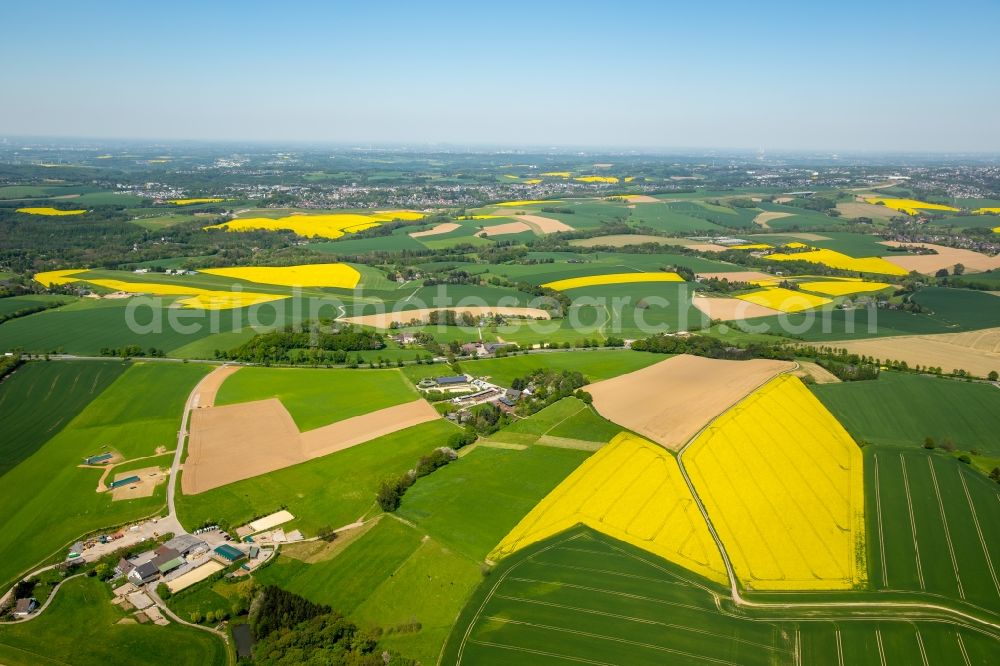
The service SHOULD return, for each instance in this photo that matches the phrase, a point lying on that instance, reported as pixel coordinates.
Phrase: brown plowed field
(670, 401)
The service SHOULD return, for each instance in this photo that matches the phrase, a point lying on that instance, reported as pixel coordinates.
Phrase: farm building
(25, 607)
(186, 544)
(124, 567)
(454, 380)
(143, 573)
(98, 459)
(170, 565)
(228, 554)
(123, 482)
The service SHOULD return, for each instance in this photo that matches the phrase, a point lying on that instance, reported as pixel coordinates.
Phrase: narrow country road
(182, 434)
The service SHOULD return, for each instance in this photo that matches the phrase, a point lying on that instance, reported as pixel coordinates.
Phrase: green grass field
(582, 597)
(87, 326)
(946, 311)
(40, 398)
(471, 504)
(595, 364)
(389, 576)
(330, 491)
(82, 627)
(568, 418)
(317, 397)
(930, 526)
(13, 304)
(900, 409)
(137, 413)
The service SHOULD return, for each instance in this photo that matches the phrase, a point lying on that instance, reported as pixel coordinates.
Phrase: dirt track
(210, 385)
(405, 316)
(670, 401)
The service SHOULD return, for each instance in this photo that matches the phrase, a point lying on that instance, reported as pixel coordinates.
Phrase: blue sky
(846, 76)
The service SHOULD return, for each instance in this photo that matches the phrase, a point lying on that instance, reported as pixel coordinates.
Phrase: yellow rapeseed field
(835, 259)
(49, 211)
(512, 204)
(782, 483)
(343, 276)
(611, 278)
(596, 179)
(633, 491)
(786, 300)
(188, 202)
(50, 278)
(986, 211)
(842, 287)
(331, 225)
(751, 246)
(557, 174)
(795, 245)
(908, 206)
(629, 179)
(204, 299)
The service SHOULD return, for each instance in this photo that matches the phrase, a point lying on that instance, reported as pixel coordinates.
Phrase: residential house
(143, 573)
(25, 607)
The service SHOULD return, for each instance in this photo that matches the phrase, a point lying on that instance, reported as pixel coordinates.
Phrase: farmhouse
(143, 573)
(25, 607)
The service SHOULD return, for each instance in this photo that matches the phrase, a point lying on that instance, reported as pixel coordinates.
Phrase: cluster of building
(473, 392)
(179, 556)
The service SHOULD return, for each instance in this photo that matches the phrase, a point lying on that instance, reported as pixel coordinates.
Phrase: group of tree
(325, 345)
(131, 351)
(292, 630)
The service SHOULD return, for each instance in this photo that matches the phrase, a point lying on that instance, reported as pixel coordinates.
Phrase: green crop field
(39, 399)
(330, 491)
(931, 527)
(901, 409)
(87, 326)
(668, 220)
(137, 413)
(316, 397)
(389, 576)
(13, 304)
(82, 627)
(582, 597)
(471, 504)
(568, 418)
(946, 311)
(636, 310)
(595, 364)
